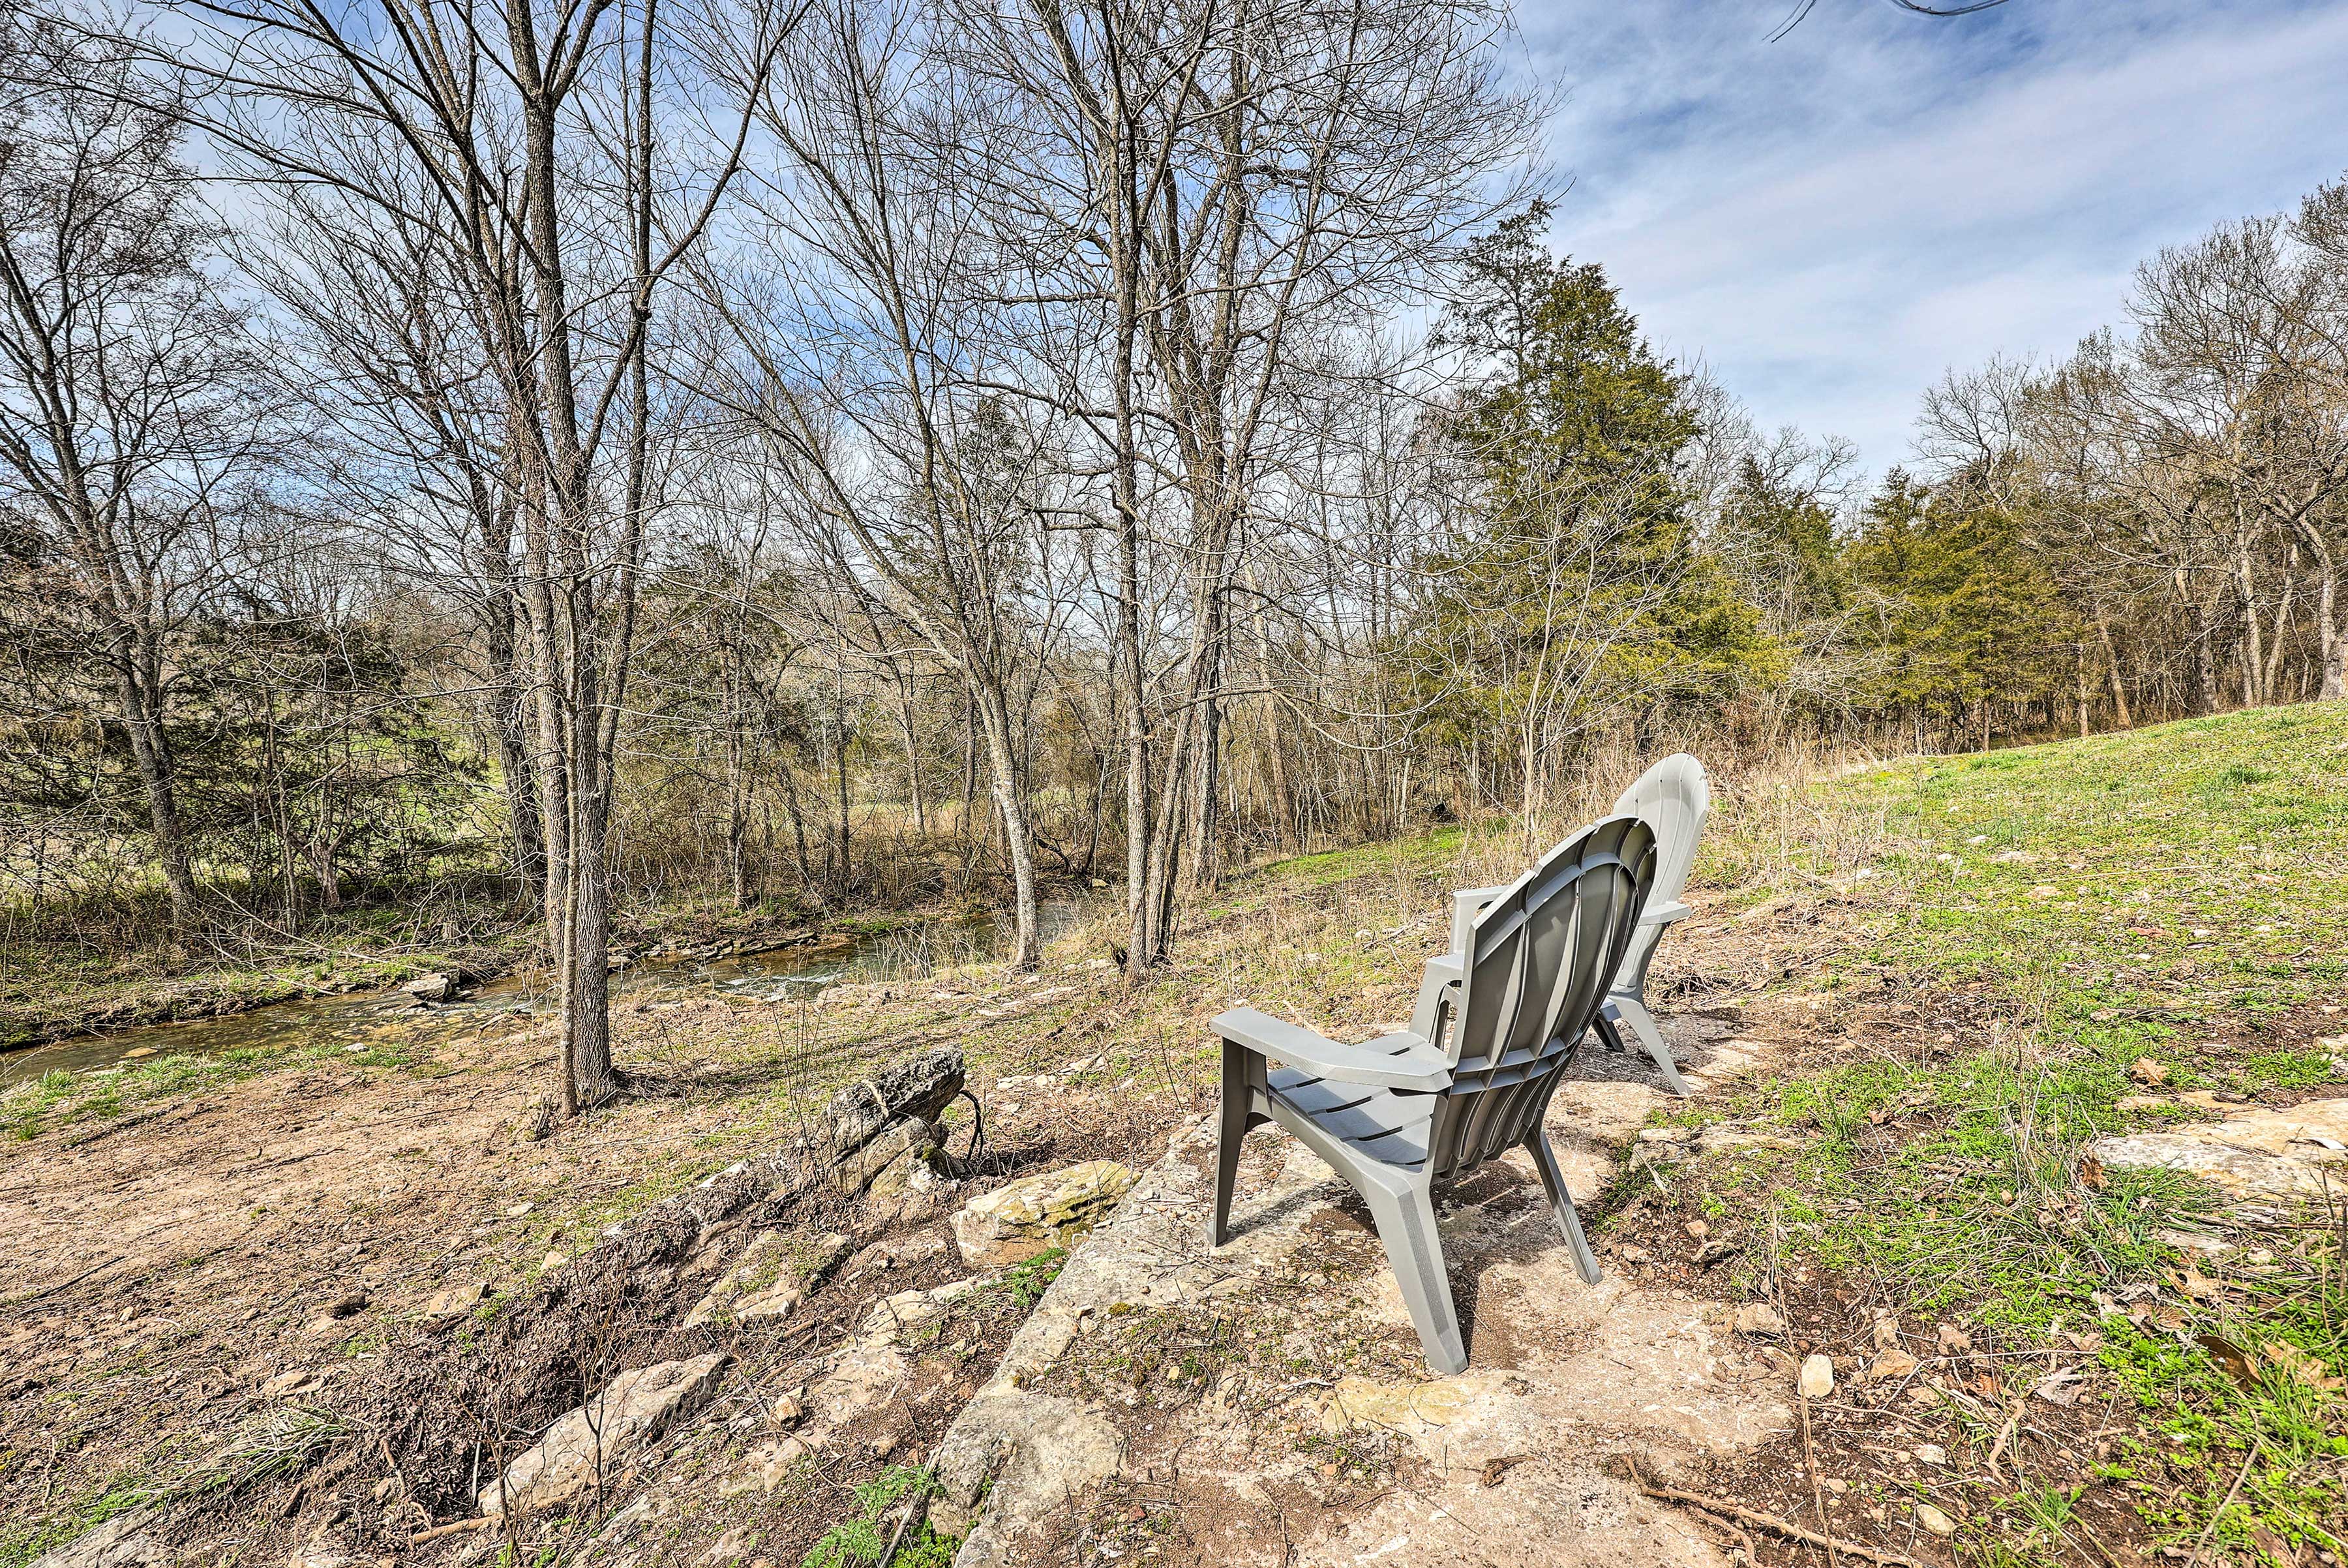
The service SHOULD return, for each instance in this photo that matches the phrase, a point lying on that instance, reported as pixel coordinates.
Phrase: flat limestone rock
(1031, 1216)
(631, 1411)
(1562, 1372)
(909, 1312)
(121, 1542)
(1414, 1410)
(765, 1247)
(2291, 1153)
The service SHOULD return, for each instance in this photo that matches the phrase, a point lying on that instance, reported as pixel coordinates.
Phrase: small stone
(735, 1544)
(520, 1211)
(454, 1301)
(1932, 1453)
(122, 1541)
(1759, 1319)
(764, 1248)
(1890, 1364)
(1955, 1341)
(778, 1301)
(1933, 1519)
(553, 1260)
(1887, 1332)
(431, 987)
(1836, 1486)
(294, 1380)
(1817, 1378)
(787, 1410)
(349, 1305)
(1698, 1229)
(824, 1255)
(778, 1460)
(910, 1312)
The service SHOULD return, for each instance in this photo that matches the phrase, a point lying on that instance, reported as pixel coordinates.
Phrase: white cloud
(1831, 221)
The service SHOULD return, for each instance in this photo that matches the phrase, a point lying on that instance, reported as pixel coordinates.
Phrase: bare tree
(133, 417)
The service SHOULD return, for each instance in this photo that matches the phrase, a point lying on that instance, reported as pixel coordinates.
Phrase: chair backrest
(1539, 960)
(1672, 797)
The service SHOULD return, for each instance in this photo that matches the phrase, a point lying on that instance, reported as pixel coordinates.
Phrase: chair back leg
(1631, 1010)
(1406, 1221)
(1560, 1204)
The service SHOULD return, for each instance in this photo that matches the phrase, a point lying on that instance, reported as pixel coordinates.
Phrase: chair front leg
(1243, 1078)
(1405, 1223)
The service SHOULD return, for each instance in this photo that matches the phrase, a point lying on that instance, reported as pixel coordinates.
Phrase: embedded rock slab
(2294, 1153)
(578, 1448)
(1562, 1375)
(1029, 1217)
(122, 1541)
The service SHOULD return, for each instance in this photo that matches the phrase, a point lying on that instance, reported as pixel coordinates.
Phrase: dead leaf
(1496, 1469)
(2060, 1387)
(2236, 1361)
(2091, 1173)
(2144, 1069)
(2299, 1365)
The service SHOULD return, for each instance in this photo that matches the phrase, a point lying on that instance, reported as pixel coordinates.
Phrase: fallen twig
(2210, 1529)
(1769, 1521)
(459, 1528)
(1811, 1468)
(2006, 1429)
(913, 1510)
(32, 1295)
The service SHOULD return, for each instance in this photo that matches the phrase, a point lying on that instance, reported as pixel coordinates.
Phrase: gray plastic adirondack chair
(1498, 1021)
(1672, 799)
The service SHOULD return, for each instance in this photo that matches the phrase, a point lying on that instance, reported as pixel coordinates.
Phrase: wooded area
(865, 452)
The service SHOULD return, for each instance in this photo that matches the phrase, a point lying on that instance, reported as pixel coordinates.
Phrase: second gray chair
(1672, 797)
(1497, 1023)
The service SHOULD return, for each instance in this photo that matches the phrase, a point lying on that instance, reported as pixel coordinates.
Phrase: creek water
(358, 1019)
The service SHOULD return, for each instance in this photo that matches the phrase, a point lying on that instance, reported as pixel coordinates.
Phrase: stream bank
(760, 965)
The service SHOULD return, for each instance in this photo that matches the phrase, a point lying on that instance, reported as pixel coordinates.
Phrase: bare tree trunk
(2112, 666)
(150, 750)
(1009, 802)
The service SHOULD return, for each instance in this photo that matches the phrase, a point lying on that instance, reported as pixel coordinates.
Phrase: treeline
(867, 449)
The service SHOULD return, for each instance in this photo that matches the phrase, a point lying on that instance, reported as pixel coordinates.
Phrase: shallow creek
(359, 1019)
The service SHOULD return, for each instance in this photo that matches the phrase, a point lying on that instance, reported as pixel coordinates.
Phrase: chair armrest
(1664, 914)
(1466, 905)
(1391, 1061)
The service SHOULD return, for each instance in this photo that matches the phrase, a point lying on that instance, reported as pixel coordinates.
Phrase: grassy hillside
(2032, 948)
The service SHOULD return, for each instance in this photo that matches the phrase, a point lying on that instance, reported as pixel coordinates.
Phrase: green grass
(2178, 893)
(862, 1542)
(61, 1098)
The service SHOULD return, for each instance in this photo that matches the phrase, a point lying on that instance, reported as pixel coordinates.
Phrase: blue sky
(1830, 220)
